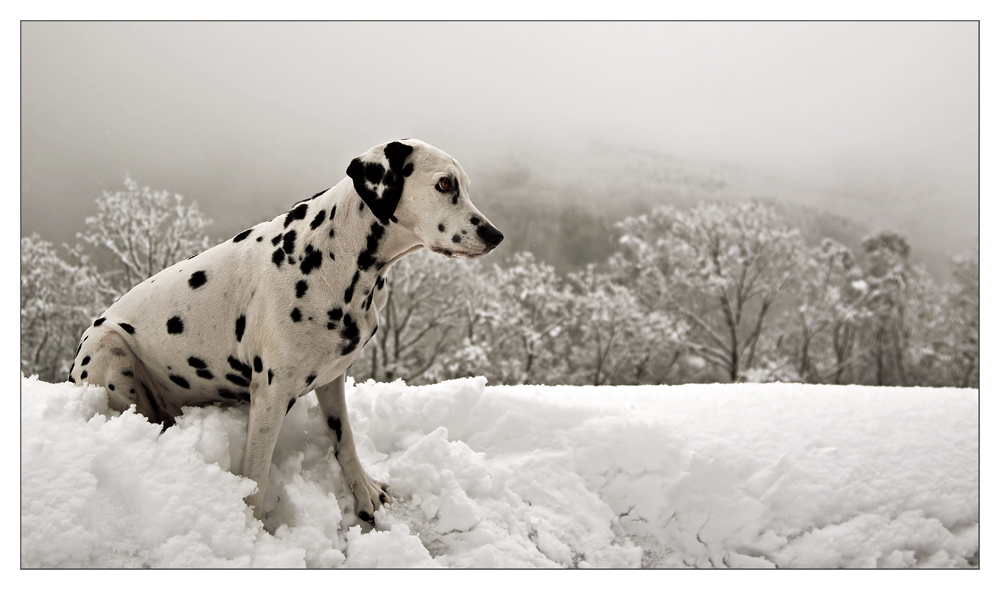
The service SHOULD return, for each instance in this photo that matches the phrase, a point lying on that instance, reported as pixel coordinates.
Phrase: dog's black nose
(490, 235)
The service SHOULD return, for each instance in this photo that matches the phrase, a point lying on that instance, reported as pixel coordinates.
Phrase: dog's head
(426, 191)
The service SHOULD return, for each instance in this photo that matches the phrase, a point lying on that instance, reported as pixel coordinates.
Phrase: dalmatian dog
(284, 307)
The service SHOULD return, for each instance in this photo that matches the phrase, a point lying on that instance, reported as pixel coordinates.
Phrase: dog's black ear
(378, 176)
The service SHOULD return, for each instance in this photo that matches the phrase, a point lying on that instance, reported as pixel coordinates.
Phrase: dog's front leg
(267, 411)
(369, 494)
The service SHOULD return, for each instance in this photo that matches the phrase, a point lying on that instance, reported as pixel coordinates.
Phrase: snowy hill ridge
(745, 475)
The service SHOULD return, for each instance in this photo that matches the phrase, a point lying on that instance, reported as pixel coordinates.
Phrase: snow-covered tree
(832, 307)
(930, 332)
(886, 273)
(145, 231)
(721, 267)
(520, 324)
(614, 338)
(59, 299)
(965, 304)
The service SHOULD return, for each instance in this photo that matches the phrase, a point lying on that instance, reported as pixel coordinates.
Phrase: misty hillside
(563, 207)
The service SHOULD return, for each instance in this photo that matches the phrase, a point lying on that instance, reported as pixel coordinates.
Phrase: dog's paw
(369, 495)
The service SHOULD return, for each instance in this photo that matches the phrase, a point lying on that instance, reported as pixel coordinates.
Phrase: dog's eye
(444, 185)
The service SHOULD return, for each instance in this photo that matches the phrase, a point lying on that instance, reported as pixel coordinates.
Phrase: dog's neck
(368, 245)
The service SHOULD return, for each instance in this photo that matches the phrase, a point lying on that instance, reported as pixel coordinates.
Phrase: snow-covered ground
(749, 475)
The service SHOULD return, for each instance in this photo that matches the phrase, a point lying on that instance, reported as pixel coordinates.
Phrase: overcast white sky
(197, 107)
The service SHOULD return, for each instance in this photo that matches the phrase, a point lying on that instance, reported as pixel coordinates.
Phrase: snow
(710, 475)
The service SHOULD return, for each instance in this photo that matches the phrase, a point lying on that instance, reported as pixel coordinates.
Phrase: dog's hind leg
(108, 361)
(369, 494)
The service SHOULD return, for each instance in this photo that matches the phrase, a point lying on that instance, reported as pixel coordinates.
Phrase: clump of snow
(748, 475)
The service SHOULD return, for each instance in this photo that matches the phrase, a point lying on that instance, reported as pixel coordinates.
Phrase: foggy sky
(275, 111)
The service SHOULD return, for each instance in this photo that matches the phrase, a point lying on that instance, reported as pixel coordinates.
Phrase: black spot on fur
(454, 199)
(181, 381)
(258, 365)
(310, 378)
(456, 238)
(408, 169)
(276, 239)
(361, 207)
(241, 324)
(71, 379)
(333, 212)
(227, 393)
(474, 220)
(296, 213)
(289, 242)
(241, 367)
(197, 279)
(175, 325)
(349, 292)
(244, 397)
(396, 153)
(260, 238)
(318, 194)
(331, 236)
(127, 372)
(380, 282)
(237, 380)
(270, 376)
(350, 333)
(334, 423)
(127, 327)
(389, 181)
(367, 256)
(310, 261)
(111, 386)
(318, 220)
(78, 347)
(441, 227)
(196, 363)
(242, 235)
(296, 315)
(99, 321)
(85, 360)
(205, 374)
(278, 257)
(83, 375)
(335, 315)
(291, 403)
(300, 289)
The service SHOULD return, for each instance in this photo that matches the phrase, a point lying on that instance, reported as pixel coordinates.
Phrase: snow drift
(749, 475)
